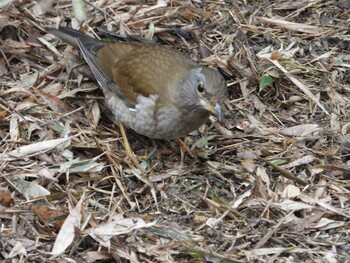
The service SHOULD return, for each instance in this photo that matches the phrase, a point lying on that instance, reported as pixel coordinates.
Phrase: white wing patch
(145, 113)
(146, 105)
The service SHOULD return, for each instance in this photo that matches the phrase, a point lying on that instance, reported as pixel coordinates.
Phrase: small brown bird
(154, 90)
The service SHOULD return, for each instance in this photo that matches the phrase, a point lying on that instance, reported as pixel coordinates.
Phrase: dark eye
(200, 88)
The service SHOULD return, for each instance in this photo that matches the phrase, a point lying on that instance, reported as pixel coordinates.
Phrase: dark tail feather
(69, 35)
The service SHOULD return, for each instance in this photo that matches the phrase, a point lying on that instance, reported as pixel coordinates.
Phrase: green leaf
(266, 81)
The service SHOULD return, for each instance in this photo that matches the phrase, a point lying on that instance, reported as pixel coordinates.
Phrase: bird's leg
(129, 152)
(184, 147)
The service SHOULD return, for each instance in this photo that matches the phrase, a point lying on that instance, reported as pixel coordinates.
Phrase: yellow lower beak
(216, 110)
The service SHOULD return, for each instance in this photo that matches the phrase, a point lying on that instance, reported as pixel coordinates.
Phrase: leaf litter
(269, 183)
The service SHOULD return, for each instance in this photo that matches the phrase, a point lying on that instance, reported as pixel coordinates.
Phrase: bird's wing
(150, 69)
(101, 58)
(130, 69)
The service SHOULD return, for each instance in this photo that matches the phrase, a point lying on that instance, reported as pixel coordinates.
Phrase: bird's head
(202, 89)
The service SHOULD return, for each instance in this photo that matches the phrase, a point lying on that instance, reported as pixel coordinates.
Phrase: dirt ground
(270, 183)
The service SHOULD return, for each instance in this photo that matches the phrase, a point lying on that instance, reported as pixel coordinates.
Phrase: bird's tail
(70, 35)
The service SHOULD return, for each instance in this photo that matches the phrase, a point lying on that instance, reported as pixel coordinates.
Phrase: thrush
(155, 90)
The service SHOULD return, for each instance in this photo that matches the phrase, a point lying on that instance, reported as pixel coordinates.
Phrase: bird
(153, 89)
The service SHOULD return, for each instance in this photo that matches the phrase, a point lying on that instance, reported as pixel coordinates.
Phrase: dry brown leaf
(96, 256)
(49, 216)
(5, 198)
(59, 106)
(3, 115)
(96, 114)
(3, 68)
(249, 164)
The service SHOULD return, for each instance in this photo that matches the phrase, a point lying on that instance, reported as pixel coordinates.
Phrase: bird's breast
(155, 120)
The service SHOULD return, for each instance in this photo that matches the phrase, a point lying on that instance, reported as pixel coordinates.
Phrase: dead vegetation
(269, 184)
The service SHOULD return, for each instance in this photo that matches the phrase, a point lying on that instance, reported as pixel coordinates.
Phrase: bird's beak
(216, 110)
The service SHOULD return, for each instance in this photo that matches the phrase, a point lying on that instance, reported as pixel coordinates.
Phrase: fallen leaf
(49, 216)
(302, 130)
(290, 192)
(289, 205)
(5, 198)
(34, 149)
(326, 224)
(67, 233)
(17, 250)
(28, 189)
(117, 226)
(301, 161)
(60, 106)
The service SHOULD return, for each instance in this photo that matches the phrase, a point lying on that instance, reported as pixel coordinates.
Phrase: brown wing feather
(101, 57)
(130, 69)
(149, 70)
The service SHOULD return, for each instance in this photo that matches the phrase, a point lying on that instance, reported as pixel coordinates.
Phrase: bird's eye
(200, 88)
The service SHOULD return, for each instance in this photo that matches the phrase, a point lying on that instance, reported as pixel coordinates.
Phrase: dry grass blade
(286, 173)
(300, 85)
(299, 27)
